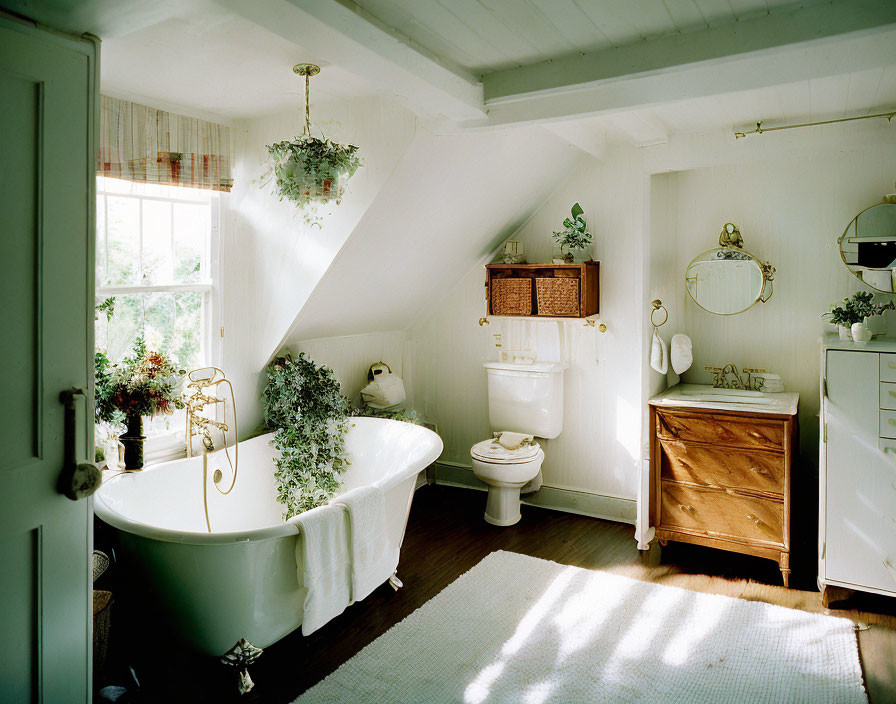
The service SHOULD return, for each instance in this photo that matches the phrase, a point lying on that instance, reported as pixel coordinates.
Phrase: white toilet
(522, 398)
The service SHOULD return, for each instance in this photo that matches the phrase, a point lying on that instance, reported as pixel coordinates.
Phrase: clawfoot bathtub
(209, 590)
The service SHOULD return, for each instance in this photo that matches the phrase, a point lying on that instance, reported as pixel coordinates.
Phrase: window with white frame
(156, 256)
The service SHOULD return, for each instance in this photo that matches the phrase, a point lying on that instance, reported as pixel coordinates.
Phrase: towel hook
(658, 305)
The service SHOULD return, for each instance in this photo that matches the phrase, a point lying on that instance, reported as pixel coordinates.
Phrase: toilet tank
(526, 398)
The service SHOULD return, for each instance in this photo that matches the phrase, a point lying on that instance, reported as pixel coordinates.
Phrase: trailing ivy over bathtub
(309, 416)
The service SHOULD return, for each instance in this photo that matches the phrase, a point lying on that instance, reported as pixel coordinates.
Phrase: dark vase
(133, 442)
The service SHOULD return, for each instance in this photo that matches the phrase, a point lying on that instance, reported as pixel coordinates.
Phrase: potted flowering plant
(144, 384)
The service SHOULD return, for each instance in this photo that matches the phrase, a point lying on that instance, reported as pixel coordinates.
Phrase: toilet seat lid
(492, 451)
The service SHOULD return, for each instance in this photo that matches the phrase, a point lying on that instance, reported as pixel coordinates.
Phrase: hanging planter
(311, 170)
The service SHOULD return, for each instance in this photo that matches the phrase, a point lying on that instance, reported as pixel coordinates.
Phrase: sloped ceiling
(450, 201)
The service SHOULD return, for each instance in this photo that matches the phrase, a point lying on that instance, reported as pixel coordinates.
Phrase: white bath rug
(519, 629)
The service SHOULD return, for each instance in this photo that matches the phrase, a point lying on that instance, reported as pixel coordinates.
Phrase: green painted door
(47, 205)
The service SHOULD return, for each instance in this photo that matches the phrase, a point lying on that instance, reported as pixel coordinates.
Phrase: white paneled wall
(790, 211)
(598, 451)
(349, 357)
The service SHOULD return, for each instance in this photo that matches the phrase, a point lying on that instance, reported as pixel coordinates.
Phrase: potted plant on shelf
(850, 316)
(574, 237)
(144, 384)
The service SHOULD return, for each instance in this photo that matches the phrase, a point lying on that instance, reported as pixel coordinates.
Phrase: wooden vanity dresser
(721, 472)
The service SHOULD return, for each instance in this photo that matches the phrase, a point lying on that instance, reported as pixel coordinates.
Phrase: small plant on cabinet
(574, 236)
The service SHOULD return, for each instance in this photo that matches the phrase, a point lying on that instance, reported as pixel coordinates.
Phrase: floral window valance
(139, 143)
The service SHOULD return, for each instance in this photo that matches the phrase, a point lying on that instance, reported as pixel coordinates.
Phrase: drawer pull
(891, 365)
(760, 470)
(753, 518)
(684, 507)
(892, 393)
(891, 421)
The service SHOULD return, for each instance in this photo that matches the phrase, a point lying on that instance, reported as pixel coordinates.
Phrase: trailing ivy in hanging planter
(312, 170)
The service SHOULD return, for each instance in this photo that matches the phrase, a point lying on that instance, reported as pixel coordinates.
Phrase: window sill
(164, 448)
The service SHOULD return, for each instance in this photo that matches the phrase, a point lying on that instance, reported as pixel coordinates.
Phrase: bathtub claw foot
(395, 582)
(241, 656)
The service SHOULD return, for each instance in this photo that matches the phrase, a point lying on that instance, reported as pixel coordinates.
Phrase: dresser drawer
(721, 513)
(888, 396)
(888, 367)
(722, 467)
(720, 429)
(888, 424)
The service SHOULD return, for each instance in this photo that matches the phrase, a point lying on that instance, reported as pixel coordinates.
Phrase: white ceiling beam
(810, 42)
(580, 134)
(354, 40)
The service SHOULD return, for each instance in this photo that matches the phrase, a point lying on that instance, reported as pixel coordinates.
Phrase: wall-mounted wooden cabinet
(543, 290)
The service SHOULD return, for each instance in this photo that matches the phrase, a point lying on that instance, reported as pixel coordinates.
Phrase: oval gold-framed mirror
(727, 280)
(868, 246)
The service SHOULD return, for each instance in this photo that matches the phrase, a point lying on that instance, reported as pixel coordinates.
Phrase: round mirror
(725, 280)
(868, 246)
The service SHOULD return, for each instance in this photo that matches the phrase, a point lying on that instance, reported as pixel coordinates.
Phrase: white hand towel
(512, 441)
(323, 564)
(658, 355)
(373, 559)
(682, 353)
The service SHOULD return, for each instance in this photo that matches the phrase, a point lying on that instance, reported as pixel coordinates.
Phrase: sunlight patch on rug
(520, 629)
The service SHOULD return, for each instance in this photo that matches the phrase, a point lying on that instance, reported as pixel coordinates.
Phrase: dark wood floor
(446, 536)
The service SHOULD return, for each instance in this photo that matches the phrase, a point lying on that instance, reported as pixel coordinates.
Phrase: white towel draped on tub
(323, 555)
(373, 560)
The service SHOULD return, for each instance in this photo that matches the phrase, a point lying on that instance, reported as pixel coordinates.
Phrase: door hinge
(825, 432)
(824, 385)
(222, 331)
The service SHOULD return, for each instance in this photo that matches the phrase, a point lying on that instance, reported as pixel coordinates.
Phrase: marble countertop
(694, 396)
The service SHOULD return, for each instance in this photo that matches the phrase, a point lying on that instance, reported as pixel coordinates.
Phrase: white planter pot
(845, 332)
(860, 333)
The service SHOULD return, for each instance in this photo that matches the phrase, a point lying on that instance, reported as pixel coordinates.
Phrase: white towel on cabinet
(373, 558)
(323, 564)
(659, 358)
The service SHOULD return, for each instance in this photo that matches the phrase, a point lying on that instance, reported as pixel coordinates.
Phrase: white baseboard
(610, 508)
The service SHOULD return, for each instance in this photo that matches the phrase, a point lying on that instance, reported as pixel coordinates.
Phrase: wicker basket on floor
(511, 296)
(558, 296)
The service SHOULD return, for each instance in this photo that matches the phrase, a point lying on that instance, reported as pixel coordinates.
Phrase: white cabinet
(857, 471)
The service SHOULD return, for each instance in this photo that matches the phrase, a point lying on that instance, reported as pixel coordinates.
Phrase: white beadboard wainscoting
(790, 210)
(350, 357)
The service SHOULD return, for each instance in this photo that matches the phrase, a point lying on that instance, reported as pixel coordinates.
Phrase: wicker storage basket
(558, 296)
(511, 296)
(102, 606)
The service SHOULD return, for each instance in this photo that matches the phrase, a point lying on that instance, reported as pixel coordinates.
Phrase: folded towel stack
(385, 391)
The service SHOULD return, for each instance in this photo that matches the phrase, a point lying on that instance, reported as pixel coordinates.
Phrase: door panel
(19, 344)
(860, 479)
(852, 386)
(47, 99)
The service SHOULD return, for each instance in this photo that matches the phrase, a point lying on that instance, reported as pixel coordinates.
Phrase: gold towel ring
(658, 305)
